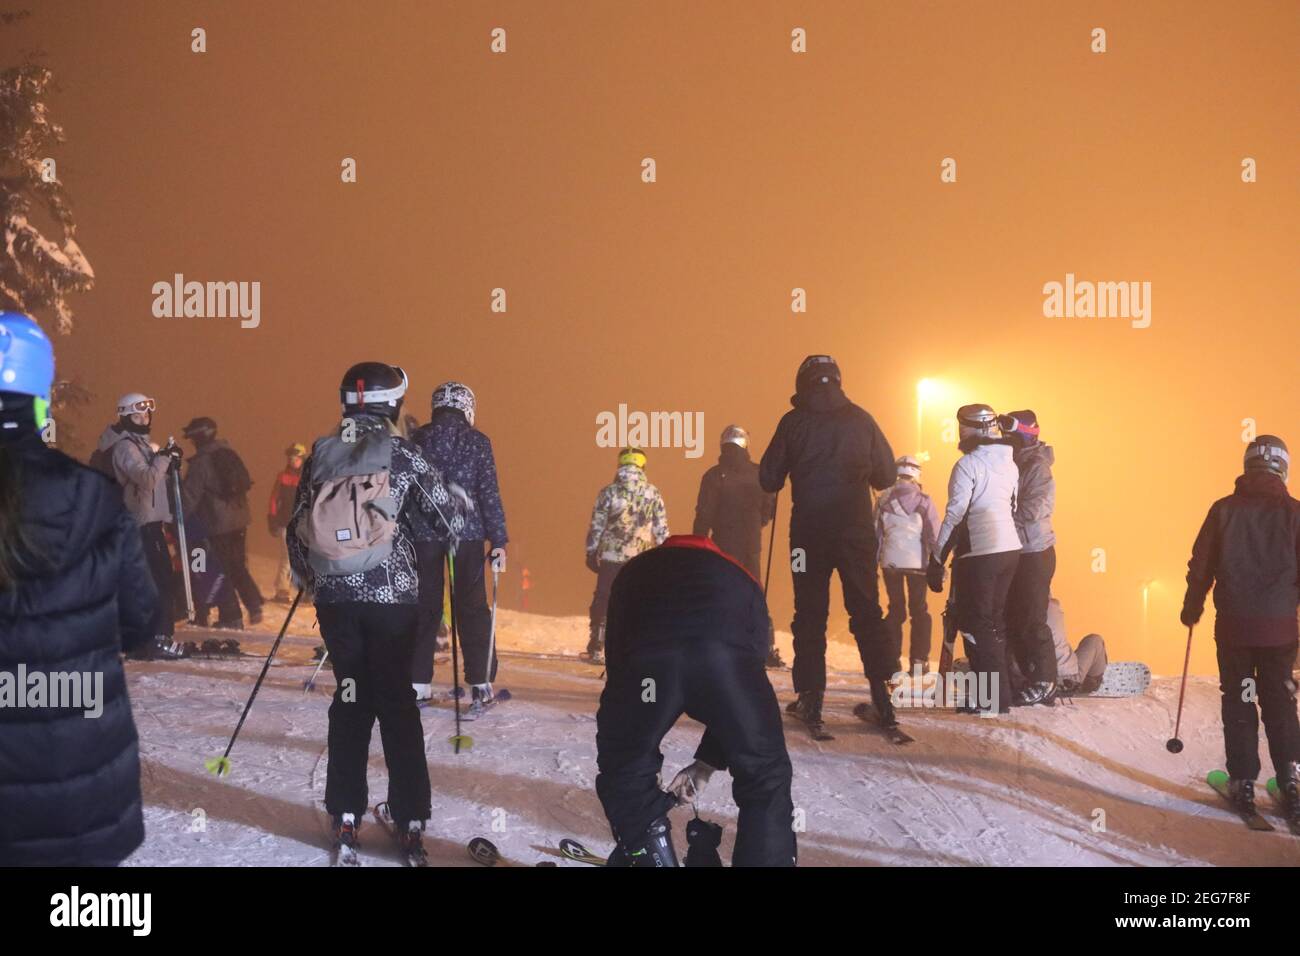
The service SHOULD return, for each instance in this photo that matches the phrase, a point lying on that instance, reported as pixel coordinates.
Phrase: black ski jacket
(832, 451)
(69, 782)
(1249, 550)
(733, 507)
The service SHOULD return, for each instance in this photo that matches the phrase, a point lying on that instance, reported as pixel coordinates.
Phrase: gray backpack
(352, 518)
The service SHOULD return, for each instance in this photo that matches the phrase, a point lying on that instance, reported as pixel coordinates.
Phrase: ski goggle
(143, 405)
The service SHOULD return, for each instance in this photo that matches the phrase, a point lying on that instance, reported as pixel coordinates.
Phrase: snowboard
(1123, 679)
(575, 851)
(1218, 781)
(1276, 794)
(895, 735)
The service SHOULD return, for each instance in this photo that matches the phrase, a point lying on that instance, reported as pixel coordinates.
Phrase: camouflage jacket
(629, 517)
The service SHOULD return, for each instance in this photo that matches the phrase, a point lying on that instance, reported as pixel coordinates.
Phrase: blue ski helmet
(26, 357)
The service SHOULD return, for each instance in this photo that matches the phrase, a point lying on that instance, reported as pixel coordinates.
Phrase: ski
(895, 735)
(1218, 781)
(411, 856)
(575, 851)
(484, 851)
(342, 854)
(1276, 794)
(478, 708)
(816, 728)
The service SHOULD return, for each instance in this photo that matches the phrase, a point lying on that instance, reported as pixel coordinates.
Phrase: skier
(692, 620)
(907, 527)
(979, 528)
(364, 495)
(463, 455)
(1080, 670)
(1029, 637)
(629, 517)
(283, 490)
(75, 591)
(734, 509)
(124, 453)
(216, 489)
(832, 450)
(1248, 548)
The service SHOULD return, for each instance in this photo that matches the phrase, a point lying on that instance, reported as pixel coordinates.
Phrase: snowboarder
(1248, 549)
(1080, 670)
(907, 527)
(734, 510)
(75, 591)
(629, 517)
(283, 490)
(692, 621)
(125, 453)
(359, 563)
(1028, 635)
(832, 451)
(216, 489)
(979, 528)
(463, 455)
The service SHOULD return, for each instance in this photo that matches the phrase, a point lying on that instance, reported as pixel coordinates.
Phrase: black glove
(593, 562)
(1191, 616)
(934, 575)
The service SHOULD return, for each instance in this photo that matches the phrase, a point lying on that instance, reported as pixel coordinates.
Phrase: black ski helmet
(816, 370)
(1268, 453)
(201, 429)
(375, 388)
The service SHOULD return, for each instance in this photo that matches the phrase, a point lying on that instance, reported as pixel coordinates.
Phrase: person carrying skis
(366, 494)
(629, 517)
(690, 622)
(125, 454)
(979, 528)
(283, 491)
(907, 527)
(463, 455)
(1248, 549)
(832, 451)
(1028, 635)
(216, 489)
(734, 510)
(75, 591)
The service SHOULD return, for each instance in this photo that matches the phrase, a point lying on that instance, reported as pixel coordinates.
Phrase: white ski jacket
(980, 516)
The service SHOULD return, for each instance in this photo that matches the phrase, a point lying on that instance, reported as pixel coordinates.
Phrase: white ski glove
(691, 781)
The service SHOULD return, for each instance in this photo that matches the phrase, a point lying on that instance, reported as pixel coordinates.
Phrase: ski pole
(771, 545)
(311, 682)
(492, 633)
(1173, 744)
(180, 540)
(458, 739)
(221, 765)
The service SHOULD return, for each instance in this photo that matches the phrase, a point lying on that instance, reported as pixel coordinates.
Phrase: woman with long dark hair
(74, 592)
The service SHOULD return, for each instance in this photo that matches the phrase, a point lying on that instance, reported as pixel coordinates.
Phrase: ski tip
(1271, 786)
(1219, 777)
(218, 766)
(461, 742)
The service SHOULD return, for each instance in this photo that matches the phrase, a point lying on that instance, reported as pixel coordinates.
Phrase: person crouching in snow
(365, 495)
(463, 454)
(979, 528)
(629, 517)
(1248, 549)
(1080, 669)
(687, 634)
(907, 528)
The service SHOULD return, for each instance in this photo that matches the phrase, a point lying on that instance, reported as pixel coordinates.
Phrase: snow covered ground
(1087, 783)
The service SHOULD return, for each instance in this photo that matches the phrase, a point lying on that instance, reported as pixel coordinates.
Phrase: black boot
(1242, 795)
(807, 706)
(654, 848)
(884, 704)
(1288, 788)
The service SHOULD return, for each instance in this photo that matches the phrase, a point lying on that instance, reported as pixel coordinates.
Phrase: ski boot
(411, 842)
(774, 661)
(1039, 692)
(1241, 794)
(230, 648)
(254, 616)
(162, 648)
(882, 701)
(210, 648)
(916, 662)
(346, 844)
(653, 849)
(1288, 791)
(807, 707)
(482, 698)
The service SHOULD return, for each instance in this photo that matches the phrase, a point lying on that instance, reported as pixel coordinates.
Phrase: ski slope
(1084, 784)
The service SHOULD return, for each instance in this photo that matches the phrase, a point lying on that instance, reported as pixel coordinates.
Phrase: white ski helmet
(1268, 453)
(455, 395)
(908, 467)
(135, 403)
(978, 420)
(735, 435)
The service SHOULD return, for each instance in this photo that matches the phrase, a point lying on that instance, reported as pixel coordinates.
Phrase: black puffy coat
(70, 784)
(733, 507)
(832, 450)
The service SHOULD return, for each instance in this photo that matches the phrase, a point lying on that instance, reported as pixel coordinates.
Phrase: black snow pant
(600, 601)
(1029, 638)
(370, 648)
(231, 551)
(159, 558)
(723, 686)
(1268, 669)
(853, 555)
(981, 583)
(468, 601)
(907, 598)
